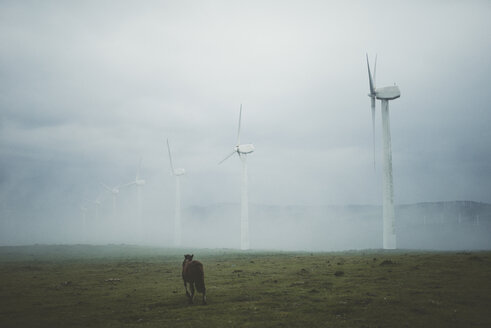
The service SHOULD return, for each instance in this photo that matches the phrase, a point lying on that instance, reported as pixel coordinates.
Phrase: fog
(88, 89)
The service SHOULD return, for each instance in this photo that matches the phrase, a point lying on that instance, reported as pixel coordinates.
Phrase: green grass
(125, 286)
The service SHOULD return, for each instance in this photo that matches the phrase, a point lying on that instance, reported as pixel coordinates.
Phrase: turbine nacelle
(180, 171)
(385, 93)
(137, 182)
(113, 190)
(388, 93)
(244, 149)
(96, 202)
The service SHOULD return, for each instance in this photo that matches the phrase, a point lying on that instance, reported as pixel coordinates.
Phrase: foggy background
(88, 88)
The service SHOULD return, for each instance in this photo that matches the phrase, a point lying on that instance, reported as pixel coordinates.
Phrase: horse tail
(200, 285)
(200, 280)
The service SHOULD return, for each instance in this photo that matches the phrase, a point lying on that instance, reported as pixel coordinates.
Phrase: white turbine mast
(242, 151)
(139, 183)
(385, 94)
(177, 215)
(97, 203)
(114, 191)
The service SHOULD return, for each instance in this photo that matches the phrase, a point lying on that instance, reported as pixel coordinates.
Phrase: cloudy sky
(88, 88)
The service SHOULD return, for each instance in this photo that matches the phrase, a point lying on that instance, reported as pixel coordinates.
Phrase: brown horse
(193, 274)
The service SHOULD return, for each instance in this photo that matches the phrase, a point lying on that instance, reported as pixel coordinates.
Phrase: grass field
(129, 286)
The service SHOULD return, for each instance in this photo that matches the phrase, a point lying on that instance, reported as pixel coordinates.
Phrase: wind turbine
(114, 192)
(97, 204)
(385, 94)
(83, 209)
(177, 215)
(139, 183)
(242, 151)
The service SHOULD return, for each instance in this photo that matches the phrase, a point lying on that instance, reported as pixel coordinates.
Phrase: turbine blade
(128, 184)
(228, 156)
(370, 81)
(238, 132)
(375, 73)
(170, 157)
(106, 187)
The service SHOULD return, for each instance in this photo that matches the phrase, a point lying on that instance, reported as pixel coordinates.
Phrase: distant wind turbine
(242, 151)
(114, 192)
(97, 203)
(177, 215)
(139, 183)
(385, 94)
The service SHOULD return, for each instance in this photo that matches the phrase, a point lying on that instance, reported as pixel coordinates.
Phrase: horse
(193, 274)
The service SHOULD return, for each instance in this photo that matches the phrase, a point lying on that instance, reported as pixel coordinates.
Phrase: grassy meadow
(130, 286)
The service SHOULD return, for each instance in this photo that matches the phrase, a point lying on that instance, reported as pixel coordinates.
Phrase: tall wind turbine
(177, 215)
(139, 183)
(242, 151)
(385, 94)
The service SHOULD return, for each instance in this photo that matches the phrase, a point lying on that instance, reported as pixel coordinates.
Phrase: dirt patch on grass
(387, 263)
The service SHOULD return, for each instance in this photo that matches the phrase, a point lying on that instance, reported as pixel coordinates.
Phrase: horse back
(193, 271)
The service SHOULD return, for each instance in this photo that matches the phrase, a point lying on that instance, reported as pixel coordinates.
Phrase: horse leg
(191, 286)
(186, 288)
(204, 297)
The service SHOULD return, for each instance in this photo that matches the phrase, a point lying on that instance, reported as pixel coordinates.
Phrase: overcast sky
(89, 87)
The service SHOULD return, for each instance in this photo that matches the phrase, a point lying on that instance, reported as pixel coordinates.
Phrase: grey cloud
(88, 88)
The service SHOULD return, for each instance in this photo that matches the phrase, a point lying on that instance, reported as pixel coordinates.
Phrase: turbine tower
(139, 183)
(385, 94)
(83, 209)
(242, 151)
(114, 192)
(177, 215)
(97, 204)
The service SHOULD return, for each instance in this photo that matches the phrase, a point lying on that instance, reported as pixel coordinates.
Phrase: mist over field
(89, 89)
(429, 226)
